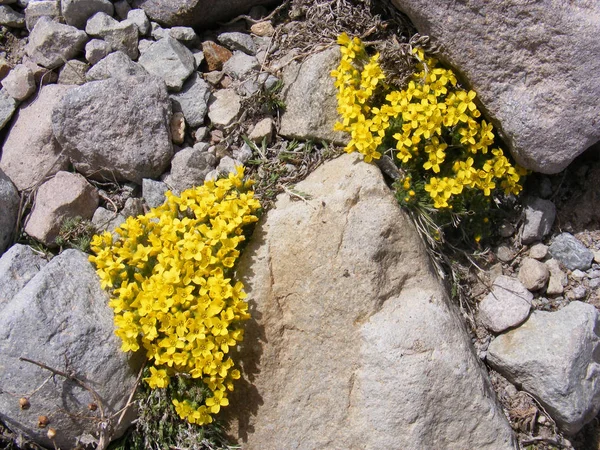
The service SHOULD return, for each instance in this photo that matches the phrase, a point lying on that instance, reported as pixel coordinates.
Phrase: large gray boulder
(9, 205)
(51, 43)
(198, 13)
(555, 356)
(18, 265)
(530, 64)
(310, 99)
(30, 153)
(61, 319)
(116, 128)
(354, 342)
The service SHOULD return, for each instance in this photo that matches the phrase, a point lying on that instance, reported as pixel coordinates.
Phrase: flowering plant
(169, 275)
(445, 148)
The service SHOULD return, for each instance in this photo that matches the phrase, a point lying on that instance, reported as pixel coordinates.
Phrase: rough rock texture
(530, 64)
(116, 128)
(8, 105)
(19, 83)
(57, 319)
(310, 98)
(224, 107)
(38, 9)
(189, 167)
(571, 252)
(352, 330)
(558, 279)
(9, 205)
(17, 266)
(192, 101)
(30, 152)
(96, 49)
(51, 44)
(198, 13)
(10, 18)
(121, 36)
(533, 274)
(104, 219)
(539, 217)
(66, 195)
(77, 12)
(169, 60)
(506, 306)
(555, 356)
(115, 65)
(73, 72)
(153, 192)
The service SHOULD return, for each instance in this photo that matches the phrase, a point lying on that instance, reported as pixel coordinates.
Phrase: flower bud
(24, 403)
(43, 421)
(51, 433)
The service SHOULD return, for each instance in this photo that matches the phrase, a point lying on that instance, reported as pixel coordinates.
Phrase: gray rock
(19, 83)
(558, 279)
(153, 192)
(189, 168)
(42, 75)
(243, 154)
(133, 207)
(96, 49)
(18, 265)
(10, 18)
(578, 293)
(8, 106)
(116, 128)
(240, 65)
(505, 253)
(238, 41)
(539, 217)
(73, 72)
(61, 319)
(30, 153)
(192, 101)
(578, 275)
(538, 251)
(66, 195)
(37, 9)
(185, 35)
(140, 19)
(521, 58)
(228, 165)
(533, 274)
(571, 252)
(310, 98)
(115, 65)
(158, 32)
(169, 60)
(262, 130)
(177, 127)
(195, 13)
(198, 57)
(51, 44)
(77, 12)
(506, 306)
(555, 357)
(106, 220)
(122, 9)
(120, 36)
(355, 304)
(9, 203)
(224, 107)
(144, 44)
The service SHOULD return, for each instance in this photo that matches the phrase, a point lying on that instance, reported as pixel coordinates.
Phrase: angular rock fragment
(506, 306)
(352, 329)
(9, 205)
(571, 252)
(120, 36)
(192, 101)
(18, 265)
(66, 195)
(77, 12)
(170, 60)
(555, 357)
(115, 65)
(51, 43)
(116, 128)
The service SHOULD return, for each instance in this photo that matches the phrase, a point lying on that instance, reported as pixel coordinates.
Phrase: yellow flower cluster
(433, 124)
(171, 290)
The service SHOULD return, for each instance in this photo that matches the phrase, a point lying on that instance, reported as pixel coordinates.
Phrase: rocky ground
(229, 87)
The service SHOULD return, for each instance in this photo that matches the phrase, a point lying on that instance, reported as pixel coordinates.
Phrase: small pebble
(578, 292)
(597, 257)
(506, 230)
(542, 420)
(594, 273)
(504, 253)
(594, 283)
(538, 251)
(577, 275)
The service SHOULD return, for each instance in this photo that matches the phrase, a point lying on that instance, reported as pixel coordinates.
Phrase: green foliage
(75, 232)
